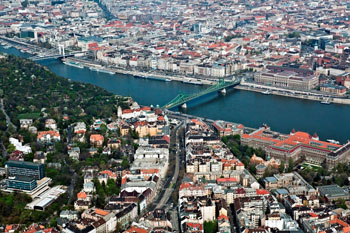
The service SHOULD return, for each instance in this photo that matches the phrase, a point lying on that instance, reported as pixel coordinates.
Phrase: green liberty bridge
(181, 99)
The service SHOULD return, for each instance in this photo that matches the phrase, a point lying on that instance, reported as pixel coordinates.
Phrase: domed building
(260, 170)
(256, 160)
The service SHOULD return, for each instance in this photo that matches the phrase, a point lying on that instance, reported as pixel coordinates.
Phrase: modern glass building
(21, 183)
(22, 168)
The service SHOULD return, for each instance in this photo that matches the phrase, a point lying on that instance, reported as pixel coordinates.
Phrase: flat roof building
(46, 198)
(21, 183)
(22, 168)
(332, 192)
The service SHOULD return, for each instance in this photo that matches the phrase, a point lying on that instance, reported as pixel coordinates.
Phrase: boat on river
(74, 64)
(158, 78)
(333, 141)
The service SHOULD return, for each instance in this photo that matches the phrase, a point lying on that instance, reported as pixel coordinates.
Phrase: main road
(170, 189)
(8, 120)
(164, 193)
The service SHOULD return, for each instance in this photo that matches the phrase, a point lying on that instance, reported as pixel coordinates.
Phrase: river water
(249, 108)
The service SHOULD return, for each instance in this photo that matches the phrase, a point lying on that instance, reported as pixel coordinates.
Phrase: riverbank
(146, 75)
(324, 98)
(320, 97)
(96, 66)
(247, 107)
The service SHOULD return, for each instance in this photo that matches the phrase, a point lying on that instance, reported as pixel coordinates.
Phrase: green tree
(111, 187)
(59, 147)
(11, 148)
(138, 208)
(134, 134)
(135, 146)
(24, 3)
(340, 203)
(282, 166)
(29, 157)
(210, 226)
(103, 129)
(252, 169)
(125, 163)
(290, 164)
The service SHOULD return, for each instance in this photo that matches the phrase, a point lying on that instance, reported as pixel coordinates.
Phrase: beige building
(286, 77)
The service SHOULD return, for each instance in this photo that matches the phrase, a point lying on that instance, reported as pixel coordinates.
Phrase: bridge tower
(61, 50)
(222, 82)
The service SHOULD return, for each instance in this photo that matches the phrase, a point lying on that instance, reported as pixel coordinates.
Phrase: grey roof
(332, 191)
(281, 191)
(271, 179)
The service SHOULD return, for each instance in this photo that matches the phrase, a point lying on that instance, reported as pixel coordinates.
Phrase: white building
(26, 149)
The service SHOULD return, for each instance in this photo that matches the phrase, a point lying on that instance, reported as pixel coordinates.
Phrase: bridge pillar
(184, 105)
(61, 50)
(223, 91)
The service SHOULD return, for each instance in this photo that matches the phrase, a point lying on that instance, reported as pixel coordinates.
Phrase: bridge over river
(181, 99)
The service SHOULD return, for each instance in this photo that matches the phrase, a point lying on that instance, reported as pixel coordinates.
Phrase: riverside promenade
(89, 63)
(300, 94)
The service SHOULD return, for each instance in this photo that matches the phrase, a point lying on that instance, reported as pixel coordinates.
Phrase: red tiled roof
(166, 138)
(313, 215)
(101, 212)
(127, 111)
(96, 137)
(185, 185)
(223, 217)
(262, 192)
(194, 225)
(230, 179)
(81, 195)
(134, 229)
(52, 133)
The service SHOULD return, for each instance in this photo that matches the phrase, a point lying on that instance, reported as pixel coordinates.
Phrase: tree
(138, 208)
(290, 164)
(340, 203)
(125, 162)
(29, 157)
(59, 147)
(11, 148)
(293, 35)
(210, 226)
(100, 193)
(103, 129)
(252, 168)
(340, 168)
(111, 187)
(317, 177)
(24, 3)
(282, 166)
(136, 146)
(224, 139)
(324, 164)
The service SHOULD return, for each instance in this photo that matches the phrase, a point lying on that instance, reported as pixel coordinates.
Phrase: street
(8, 120)
(170, 188)
(169, 184)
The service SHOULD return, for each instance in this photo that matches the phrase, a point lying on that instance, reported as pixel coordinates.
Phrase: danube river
(249, 108)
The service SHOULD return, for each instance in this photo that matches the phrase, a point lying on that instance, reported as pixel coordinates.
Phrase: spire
(293, 132)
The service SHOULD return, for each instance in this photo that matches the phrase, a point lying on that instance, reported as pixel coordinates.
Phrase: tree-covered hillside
(28, 87)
